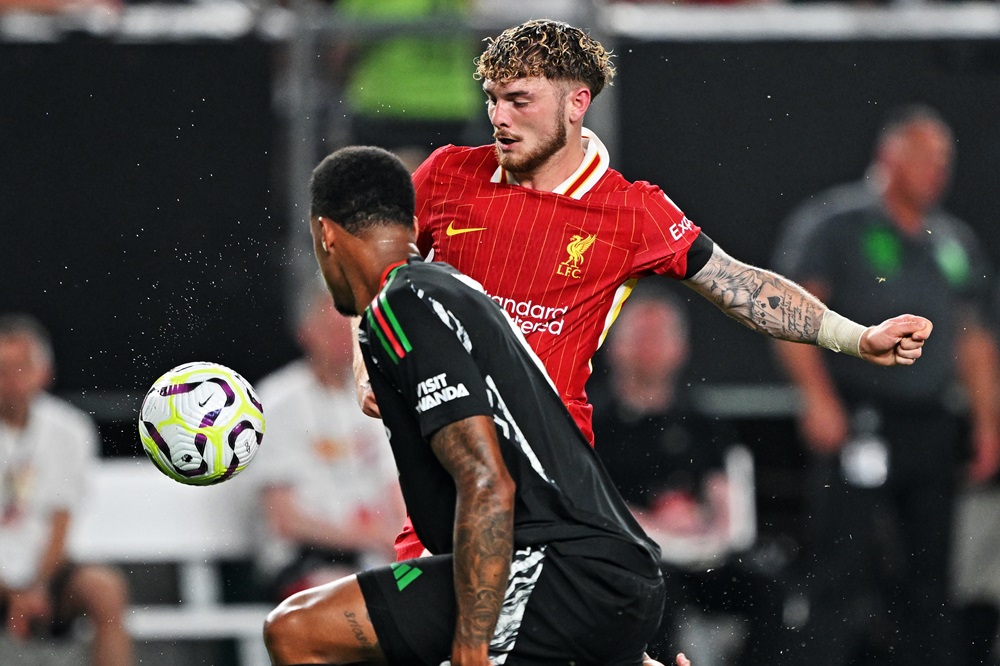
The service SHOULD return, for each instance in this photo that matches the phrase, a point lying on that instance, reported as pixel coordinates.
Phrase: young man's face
(529, 121)
(331, 269)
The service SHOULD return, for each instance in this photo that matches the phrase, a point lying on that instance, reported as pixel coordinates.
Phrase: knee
(103, 592)
(304, 627)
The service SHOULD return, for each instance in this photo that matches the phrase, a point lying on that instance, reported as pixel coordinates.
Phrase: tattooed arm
(760, 299)
(484, 531)
(772, 304)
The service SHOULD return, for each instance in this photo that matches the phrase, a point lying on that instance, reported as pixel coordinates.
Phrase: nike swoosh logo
(452, 231)
(204, 402)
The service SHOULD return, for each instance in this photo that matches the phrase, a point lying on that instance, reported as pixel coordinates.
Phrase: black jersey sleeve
(698, 254)
(421, 349)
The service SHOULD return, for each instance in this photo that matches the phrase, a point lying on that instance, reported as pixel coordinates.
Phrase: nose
(499, 116)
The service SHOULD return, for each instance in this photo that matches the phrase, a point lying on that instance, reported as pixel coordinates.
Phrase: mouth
(505, 140)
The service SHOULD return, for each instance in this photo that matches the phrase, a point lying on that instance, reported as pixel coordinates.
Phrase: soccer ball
(201, 423)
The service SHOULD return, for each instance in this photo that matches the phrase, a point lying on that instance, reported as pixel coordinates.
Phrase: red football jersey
(560, 263)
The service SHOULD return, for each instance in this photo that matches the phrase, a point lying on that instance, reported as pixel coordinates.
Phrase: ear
(325, 232)
(578, 103)
(47, 377)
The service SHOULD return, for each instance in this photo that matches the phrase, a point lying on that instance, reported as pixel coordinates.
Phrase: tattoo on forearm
(760, 299)
(482, 560)
(484, 520)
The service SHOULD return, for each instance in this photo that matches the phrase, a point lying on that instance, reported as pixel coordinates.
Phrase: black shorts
(560, 607)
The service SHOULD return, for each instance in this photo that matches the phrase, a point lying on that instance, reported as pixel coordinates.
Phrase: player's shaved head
(548, 48)
(360, 187)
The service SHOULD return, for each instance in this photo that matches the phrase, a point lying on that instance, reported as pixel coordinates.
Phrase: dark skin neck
(380, 248)
(365, 257)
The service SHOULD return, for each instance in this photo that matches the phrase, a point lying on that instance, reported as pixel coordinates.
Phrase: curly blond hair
(544, 47)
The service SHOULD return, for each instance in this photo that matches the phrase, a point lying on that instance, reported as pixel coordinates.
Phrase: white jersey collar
(594, 165)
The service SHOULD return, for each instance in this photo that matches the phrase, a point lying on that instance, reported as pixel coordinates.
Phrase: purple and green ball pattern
(201, 423)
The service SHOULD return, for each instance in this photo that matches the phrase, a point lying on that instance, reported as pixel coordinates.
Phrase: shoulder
(420, 292)
(639, 194)
(836, 204)
(944, 223)
(456, 160)
(423, 279)
(62, 412)
(838, 208)
(614, 181)
(68, 422)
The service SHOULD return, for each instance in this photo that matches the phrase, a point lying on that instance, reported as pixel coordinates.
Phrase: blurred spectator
(47, 448)
(683, 475)
(888, 448)
(328, 490)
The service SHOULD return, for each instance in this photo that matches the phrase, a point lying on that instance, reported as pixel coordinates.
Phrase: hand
(366, 398)
(362, 383)
(470, 655)
(24, 608)
(681, 660)
(896, 341)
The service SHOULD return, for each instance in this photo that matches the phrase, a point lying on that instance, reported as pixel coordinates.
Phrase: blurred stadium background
(153, 162)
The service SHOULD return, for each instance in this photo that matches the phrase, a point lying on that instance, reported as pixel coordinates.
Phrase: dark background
(142, 217)
(136, 208)
(739, 134)
(140, 220)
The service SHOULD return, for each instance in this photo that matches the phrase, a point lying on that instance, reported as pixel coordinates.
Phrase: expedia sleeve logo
(432, 392)
(578, 245)
(678, 229)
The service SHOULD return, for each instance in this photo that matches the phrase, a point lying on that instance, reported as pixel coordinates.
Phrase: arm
(484, 531)
(978, 369)
(362, 383)
(823, 420)
(774, 305)
(373, 532)
(32, 603)
(55, 551)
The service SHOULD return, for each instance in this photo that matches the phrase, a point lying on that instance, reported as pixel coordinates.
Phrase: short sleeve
(69, 450)
(978, 285)
(417, 345)
(665, 237)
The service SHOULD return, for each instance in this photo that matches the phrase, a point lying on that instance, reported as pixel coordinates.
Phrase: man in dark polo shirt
(888, 448)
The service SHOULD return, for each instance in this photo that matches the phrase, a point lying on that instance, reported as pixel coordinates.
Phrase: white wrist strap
(840, 334)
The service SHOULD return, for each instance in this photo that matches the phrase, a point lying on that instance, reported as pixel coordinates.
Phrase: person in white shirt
(47, 447)
(328, 485)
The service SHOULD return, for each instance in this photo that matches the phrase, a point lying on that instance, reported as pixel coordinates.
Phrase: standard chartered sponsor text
(533, 317)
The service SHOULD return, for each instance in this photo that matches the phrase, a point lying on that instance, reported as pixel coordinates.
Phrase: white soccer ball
(201, 423)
